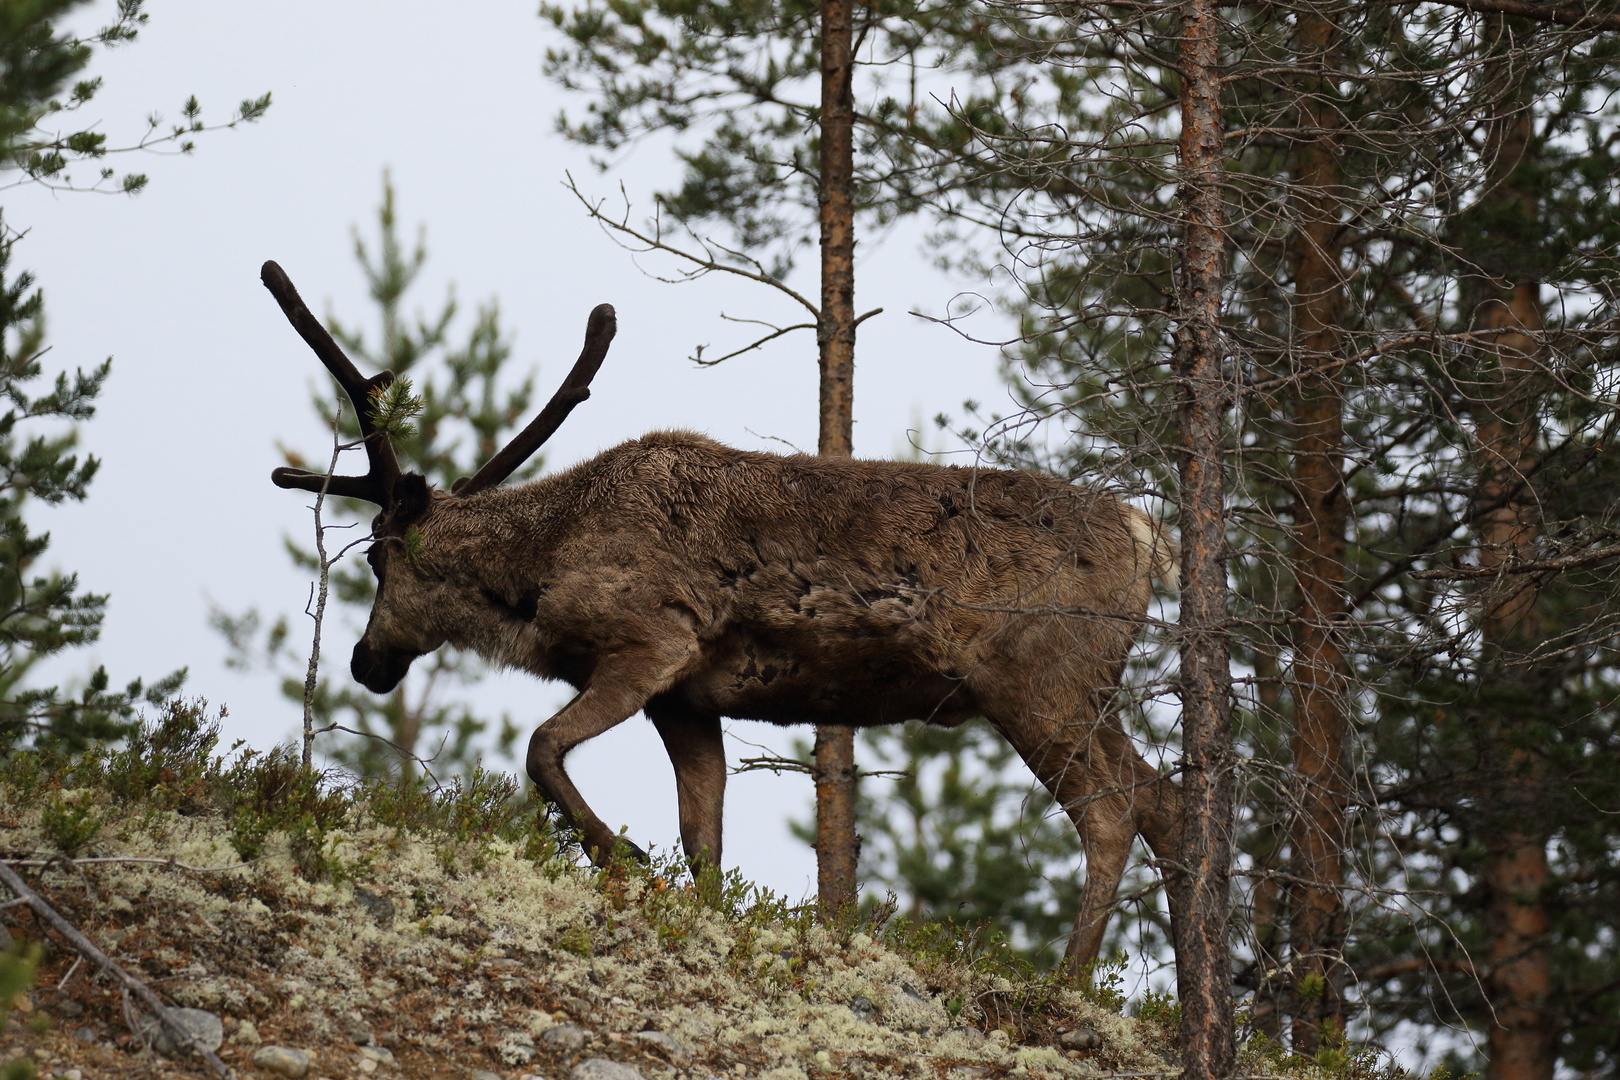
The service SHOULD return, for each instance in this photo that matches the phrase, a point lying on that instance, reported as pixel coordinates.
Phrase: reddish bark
(837, 846)
(1199, 884)
(1522, 1039)
(1317, 923)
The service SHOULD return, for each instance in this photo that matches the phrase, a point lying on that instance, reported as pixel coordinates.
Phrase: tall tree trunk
(837, 846)
(1522, 1038)
(1200, 883)
(1317, 921)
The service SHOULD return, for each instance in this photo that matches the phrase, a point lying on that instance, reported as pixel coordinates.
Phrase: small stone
(912, 992)
(862, 1007)
(69, 1008)
(283, 1060)
(564, 1036)
(661, 1041)
(965, 1072)
(485, 1074)
(71, 1074)
(380, 1054)
(603, 1069)
(1080, 1039)
(367, 1066)
(202, 1026)
(378, 907)
(86, 1035)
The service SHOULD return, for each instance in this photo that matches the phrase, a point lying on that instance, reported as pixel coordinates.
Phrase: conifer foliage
(44, 613)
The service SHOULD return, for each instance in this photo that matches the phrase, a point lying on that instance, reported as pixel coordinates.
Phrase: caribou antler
(378, 484)
(576, 388)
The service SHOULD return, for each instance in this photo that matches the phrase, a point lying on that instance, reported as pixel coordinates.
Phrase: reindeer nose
(379, 670)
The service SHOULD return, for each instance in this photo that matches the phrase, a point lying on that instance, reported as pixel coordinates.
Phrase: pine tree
(43, 614)
(1418, 381)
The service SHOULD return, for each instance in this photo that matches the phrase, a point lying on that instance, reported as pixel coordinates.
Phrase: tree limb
(1528, 566)
(1563, 14)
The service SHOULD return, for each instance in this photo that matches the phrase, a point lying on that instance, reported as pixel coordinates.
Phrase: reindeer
(675, 576)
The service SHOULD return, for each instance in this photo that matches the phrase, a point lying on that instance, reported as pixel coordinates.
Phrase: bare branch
(1520, 566)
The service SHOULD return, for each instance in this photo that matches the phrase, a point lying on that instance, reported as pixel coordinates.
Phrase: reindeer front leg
(618, 688)
(697, 751)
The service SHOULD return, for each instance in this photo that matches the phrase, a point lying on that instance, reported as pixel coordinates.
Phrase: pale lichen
(484, 953)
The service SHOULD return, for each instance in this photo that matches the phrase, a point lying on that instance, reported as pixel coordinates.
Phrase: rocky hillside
(337, 933)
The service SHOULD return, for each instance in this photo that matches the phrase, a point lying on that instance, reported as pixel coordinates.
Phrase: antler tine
(378, 484)
(576, 388)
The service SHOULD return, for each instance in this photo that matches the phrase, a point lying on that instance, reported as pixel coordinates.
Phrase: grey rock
(283, 1060)
(603, 1069)
(862, 1007)
(378, 907)
(913, 993)
(666, 1043)
(85, 1035)
(361, 1035)
(484, 1074)
(564, 1036)
(1080, 1039)
(380, 1054)
(200, 1024)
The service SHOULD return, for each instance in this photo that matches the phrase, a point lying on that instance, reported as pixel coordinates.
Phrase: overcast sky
(208, 376)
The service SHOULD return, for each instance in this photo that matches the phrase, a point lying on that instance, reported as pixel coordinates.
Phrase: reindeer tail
(1158, 548)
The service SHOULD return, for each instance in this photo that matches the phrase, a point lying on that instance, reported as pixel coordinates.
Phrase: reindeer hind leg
(1079, 761)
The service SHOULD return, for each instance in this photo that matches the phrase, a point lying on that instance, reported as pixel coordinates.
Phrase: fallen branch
(150, 860)
(182, 1037)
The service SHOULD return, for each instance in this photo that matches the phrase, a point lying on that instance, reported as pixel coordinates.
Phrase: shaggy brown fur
(680, 577)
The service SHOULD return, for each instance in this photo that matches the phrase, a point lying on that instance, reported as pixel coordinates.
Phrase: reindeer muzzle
(379, 670)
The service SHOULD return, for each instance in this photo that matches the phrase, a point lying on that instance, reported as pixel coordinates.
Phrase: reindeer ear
(411, 498)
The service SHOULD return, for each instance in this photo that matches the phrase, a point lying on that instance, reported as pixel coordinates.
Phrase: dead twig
(169, 861)
(129, 983)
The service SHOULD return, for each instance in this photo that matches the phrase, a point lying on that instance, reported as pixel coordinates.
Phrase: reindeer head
(399, 629)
